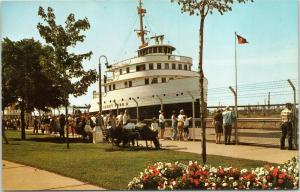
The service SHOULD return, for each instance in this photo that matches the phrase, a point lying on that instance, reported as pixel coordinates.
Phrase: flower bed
(178, 176)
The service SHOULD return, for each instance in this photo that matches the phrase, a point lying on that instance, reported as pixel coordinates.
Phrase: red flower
(275, 172)
(184, 178)
(191, 173)
(196, 181)
(155, 172)
(282, 175)
(198, 172)
(206, 173)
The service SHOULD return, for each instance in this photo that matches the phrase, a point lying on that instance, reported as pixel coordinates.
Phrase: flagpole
(236, 92)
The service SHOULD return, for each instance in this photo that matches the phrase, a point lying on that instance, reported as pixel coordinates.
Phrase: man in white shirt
(286, 126)
(161, 120)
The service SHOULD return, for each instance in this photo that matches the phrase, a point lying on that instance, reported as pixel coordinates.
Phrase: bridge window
(154, 80)
(114, 86)
(140, 67)
(185, 67)
(163, 80)
(125, 84)
(154, 49)
(166, 65)
(120, 71)
(180, 66)
(150, 66)
(159, 49)
(127, 69)
(130, 83)
(109, 87)
(146, 81)
(190, 68)
(173, 66)
(150, 50)
(158, 65)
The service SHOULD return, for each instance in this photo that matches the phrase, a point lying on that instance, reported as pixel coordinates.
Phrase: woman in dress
(218, 124)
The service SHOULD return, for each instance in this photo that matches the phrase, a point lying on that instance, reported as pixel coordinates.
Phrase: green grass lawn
(97, 163)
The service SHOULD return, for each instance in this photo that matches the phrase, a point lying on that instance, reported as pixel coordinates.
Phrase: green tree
(25, 82)
(73, 79)
(202, 8)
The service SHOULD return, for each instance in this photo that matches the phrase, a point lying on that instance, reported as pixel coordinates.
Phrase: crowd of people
(86, 124)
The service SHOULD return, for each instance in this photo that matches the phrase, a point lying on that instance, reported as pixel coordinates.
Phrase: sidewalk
(20, 177)
(272, 155)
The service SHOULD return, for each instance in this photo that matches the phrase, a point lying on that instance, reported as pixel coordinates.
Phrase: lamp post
(100, 91)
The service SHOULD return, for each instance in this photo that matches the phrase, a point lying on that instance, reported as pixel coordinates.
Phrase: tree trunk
(202, 103)
(67, 125)
(23, 135)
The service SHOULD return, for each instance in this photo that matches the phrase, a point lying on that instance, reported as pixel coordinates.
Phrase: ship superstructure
(155, 79)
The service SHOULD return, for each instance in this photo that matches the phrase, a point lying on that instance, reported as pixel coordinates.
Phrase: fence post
(236, 114)
(117, 107)
(137, 108)
(193, 108)
(161, 102)
(294, 115)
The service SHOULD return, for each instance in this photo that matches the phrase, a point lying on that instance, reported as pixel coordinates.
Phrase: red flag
(241, 40)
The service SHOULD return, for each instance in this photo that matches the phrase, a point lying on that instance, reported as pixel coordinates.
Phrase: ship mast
(141, 32)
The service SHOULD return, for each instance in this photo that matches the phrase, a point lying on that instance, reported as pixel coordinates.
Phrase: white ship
(155, 79)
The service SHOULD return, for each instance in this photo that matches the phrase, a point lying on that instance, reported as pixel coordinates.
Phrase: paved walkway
(272, 155)
(20, 177)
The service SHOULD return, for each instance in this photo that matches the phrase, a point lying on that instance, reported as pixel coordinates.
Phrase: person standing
(218, 124)
(186, 125)
(62, 122)
(286, 126)
(4, 125)
(35, 125)
(180, 124)
(174, 125)
(228, 119)
(161, 120)
(126, 117)
(119, 120)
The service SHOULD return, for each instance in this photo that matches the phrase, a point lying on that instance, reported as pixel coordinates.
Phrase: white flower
(213, 184)
(248, 184)
(224, 184)
(270, 184)
(206, 184)
(190, 163)
(235, 184)
(230, 178)
(264, 181)
(174, 183)
(244, 171)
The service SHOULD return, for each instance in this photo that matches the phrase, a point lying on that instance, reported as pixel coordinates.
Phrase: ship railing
(129, 61)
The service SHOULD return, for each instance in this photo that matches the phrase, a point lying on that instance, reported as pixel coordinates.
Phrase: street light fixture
(100, 91)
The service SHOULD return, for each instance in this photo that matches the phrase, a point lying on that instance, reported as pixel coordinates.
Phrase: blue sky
(270, 26)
